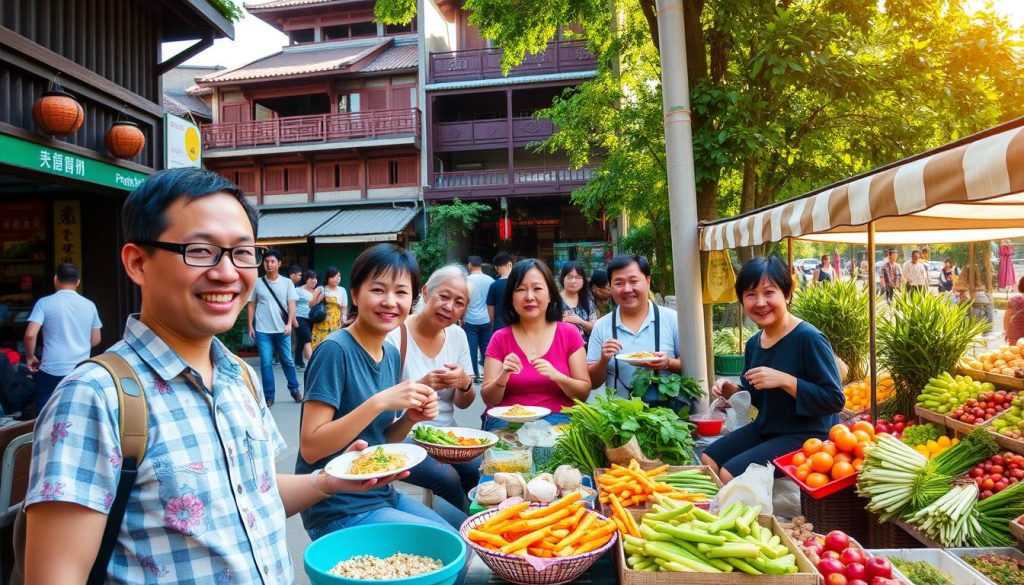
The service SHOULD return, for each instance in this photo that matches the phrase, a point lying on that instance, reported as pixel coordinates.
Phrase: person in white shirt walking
(915, 274)
(271, 313)
(71, 328)
(477, 322)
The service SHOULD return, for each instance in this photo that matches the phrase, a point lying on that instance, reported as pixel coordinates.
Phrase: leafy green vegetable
(921, 573)
(915, 435)
(670, 386)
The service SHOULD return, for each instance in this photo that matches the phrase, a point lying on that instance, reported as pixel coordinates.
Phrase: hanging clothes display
(1007, 278)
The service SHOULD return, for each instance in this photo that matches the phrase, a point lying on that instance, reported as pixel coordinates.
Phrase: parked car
(934, 268)
(806, 266)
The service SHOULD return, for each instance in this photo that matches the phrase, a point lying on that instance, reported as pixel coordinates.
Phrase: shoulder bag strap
(657, 327)
(284, 311)
(247, 378)
(615, 369)
(402, 348)
(133, 417)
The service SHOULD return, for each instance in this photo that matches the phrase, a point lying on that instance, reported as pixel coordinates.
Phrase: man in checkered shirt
(208, 505)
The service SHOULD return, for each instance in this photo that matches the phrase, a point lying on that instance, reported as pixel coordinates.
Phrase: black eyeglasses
(203, 255)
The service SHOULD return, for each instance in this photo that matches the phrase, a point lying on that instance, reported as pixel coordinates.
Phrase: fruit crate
(1000, 380)
(806, 573)
(889, 534)
(1015, 445)
(960, 572)
(841, 510)
(935, 418)
(1017, 529)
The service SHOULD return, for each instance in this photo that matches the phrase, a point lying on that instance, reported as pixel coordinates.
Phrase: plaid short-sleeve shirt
(205, 506)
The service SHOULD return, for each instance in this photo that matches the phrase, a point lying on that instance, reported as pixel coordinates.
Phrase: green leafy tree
(447, 222)
(228, 9)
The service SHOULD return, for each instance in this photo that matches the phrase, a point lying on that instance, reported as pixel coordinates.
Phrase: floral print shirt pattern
(205, 507)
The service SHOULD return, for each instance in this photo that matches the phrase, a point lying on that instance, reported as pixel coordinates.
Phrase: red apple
(836, 579)
(830, 554)
(878, 566)
(814, 545)
(855, 571)
(837, 540)
(856, 582)
(883, 581)
(829, 566)
(852, 555)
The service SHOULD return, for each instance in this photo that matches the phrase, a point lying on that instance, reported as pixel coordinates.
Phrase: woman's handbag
(318, 312)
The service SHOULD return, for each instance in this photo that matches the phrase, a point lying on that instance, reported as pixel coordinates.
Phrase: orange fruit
(857, 463)
(846, 441)
(821, 462)
(811, 446)
(829, 447)
(863, 425)
(860, 449)
(799, 458)
(842, 469)
(816, 480)
(842, 456)
(802, 472)
(837, 429)
(863, 437)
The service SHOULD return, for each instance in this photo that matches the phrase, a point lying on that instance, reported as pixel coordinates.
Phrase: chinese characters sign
(22, 230)
(54, 161)
(67, 232)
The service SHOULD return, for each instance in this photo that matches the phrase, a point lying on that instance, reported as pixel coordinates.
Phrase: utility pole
(682, 192)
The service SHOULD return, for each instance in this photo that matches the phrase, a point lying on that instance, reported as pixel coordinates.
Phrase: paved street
(286, 414)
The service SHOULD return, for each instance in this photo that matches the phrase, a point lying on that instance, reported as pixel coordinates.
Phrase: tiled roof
(197, 90)
(272, 4)
(400, 57)
(294, 61)
(181, 104)
(382, 220)
(292, 224)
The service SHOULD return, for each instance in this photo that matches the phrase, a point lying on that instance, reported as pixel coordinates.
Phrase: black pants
(303, 335)
(747, 445)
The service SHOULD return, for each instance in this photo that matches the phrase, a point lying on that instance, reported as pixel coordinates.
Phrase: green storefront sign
(55, 161)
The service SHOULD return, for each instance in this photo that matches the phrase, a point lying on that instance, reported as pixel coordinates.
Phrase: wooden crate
(933, 417)
(1008, 382)
(807, 574)
(606, 510)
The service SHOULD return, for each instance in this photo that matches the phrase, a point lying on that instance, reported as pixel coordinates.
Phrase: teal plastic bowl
(384, 540)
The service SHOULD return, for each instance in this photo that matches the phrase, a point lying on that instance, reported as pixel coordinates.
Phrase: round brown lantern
(58, 113)
(124, 139)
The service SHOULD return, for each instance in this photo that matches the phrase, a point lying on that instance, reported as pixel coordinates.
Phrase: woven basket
(516, 569)
(458, 453)
(843, 510)
(889, 535)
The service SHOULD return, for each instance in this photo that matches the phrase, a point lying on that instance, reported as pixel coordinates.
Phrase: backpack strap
(247, 377)
(133, 418)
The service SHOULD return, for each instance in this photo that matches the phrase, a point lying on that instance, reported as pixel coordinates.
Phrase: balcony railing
(490, 133)
(315, 128)
(504, 182)
(559, 57)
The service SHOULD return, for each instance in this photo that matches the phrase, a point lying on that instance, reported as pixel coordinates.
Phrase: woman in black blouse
(790, 372)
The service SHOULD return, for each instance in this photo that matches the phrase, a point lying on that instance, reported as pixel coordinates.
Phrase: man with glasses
(271, 314)
(207, 505)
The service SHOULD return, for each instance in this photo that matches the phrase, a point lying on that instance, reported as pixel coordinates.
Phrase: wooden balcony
(559, 57)
(312, 129)
(502, 182)
(477, 134)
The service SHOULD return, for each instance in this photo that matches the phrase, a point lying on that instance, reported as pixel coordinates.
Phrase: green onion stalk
(935, 478)
(995, 513)
(949, 519)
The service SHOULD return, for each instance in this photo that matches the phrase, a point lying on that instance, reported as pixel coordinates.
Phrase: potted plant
(728, 350)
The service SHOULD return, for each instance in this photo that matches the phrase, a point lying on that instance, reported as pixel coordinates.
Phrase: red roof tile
(272, 4)
(294, 61)
(400, 57)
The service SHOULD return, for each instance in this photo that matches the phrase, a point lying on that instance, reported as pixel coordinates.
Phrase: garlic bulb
(568, 478)
(541, 490)
(490, 493)
(515, 485)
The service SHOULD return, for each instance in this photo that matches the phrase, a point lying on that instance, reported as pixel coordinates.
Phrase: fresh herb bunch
(921, 573)
(915, 435)
(1002, 569)
(726, 341)
(660, 432)
(671, 386)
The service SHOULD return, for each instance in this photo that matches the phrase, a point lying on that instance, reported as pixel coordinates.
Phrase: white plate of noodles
(376, 461)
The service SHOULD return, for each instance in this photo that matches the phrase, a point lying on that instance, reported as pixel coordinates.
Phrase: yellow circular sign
(192, 143)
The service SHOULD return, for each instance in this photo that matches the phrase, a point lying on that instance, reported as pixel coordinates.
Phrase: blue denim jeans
(267, 344)
(449, 481)
(478, 336)
(45, 384)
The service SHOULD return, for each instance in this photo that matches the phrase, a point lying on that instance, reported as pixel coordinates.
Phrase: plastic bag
(538, 433)
(752, 487)
(735, 411)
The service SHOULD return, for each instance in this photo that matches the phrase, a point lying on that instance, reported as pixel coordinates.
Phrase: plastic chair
(13, 479)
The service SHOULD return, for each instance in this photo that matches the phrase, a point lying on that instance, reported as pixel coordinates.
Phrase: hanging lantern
(57, 112)
(504, 229)
(125, 139)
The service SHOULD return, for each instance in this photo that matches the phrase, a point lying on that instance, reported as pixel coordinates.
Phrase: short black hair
(599, 278)
(272, 253)
(307, 275)
(772, 268)
(515, 278)
(502, 258)
(294, 269)
(382, 259)
(623, 261)
(475, 261)
(144, 211)
(330, 273)
(68, 273)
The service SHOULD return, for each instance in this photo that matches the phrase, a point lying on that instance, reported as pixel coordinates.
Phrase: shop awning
(970, 190)
(291, 227)
(380, 224)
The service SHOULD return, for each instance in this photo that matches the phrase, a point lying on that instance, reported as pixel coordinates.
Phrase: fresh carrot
(552, 508)
(504, 515)
(577, 534)
(526, 540)
(480, 537)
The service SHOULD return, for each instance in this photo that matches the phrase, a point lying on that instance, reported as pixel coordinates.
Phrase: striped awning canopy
(970, 190)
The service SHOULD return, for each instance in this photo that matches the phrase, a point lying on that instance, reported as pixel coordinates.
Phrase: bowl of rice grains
(408, 554)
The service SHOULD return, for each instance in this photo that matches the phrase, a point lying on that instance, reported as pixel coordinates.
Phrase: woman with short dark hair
(790, 372)
(537, 360)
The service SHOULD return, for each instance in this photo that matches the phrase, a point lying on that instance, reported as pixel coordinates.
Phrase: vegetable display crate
(960, 572)
(842, 510)
(1000, 380)
(1015, 445)
(728, 364)
(785, 464)
(606, 509)
(1017, 529)
(933, 417)
(806, 575)
(960, 553)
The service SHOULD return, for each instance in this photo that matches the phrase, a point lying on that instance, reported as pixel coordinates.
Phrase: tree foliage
(447, 222)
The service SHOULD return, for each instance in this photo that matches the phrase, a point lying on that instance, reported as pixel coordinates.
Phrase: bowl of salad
(453, 444)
